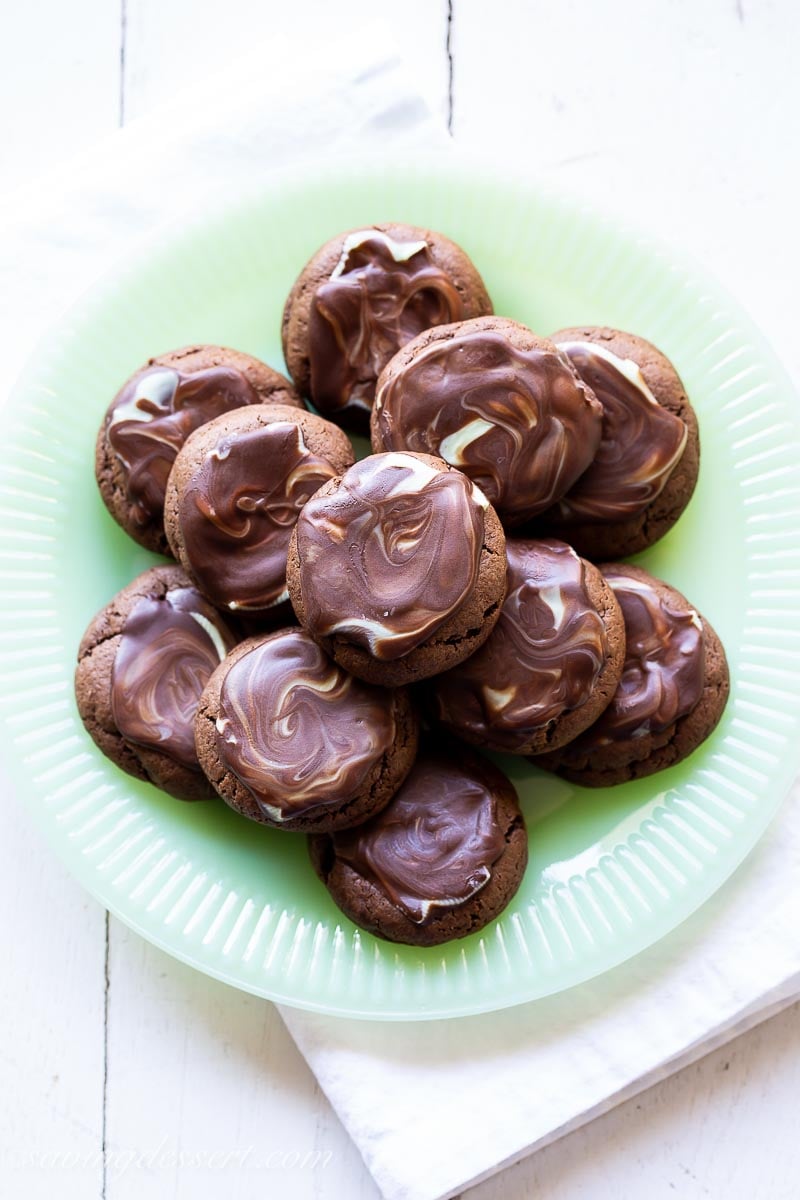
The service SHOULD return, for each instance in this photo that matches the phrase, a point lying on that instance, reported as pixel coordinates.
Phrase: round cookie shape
(290, 739)
(672, 693)
(645, 470)
(361, 297)
(440, 861)
(142, 666)
(235, 493)
(495, 400)
(155, 411)
(398, 568)
(550, 665)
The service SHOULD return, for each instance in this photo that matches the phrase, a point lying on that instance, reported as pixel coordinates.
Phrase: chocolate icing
(641, 444)
(381, 294)
(435, 844)
(542, 658)
(664, 671)
(296, 730)
(238, 512)
(388, 557)
(153, 415)
(168, 648)
(516, 421)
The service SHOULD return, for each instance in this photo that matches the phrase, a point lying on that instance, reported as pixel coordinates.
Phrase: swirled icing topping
(297, 730)
(153, 415)
(641, 444)
(389, 556)
(380, 295)
(542, 658)
(168, 648)
(664, 671)
(518, 422)
(238, 512)
(433, 847)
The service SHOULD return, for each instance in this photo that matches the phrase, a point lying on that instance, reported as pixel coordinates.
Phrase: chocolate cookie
(151, 417)
(504, 406)
(234, 495)
(550, 665)
(290, 739)
(673, 690)
(142, 664)
(645, 470)
(442, 859)
(398, 568)
(361, 297)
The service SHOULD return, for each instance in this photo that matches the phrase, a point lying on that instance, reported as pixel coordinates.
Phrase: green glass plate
(610, 871)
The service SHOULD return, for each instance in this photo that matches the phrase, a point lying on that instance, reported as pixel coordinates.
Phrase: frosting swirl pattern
(664, 672)
(380, 295)
(435, 844)
(297, 730)
(518, 422)
(168, 649)
(238, 512)
(542, 659)
(153, 415)
(389, 556)
(641, 443)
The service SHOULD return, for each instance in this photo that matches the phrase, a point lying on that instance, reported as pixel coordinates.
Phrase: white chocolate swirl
(642, 442)
(541, 660)
(434, 846)
(388, 557)
(297, 730)
(664, 672)
(519, 423)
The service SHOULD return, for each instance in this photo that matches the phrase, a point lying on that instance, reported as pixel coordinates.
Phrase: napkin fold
(438, 1106)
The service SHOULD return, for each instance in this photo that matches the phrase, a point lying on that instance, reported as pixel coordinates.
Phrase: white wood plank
(59, 90)
(682, 116)
(208, 1095)
(172, 44)
(60, 80)
(723, 1128)
(52, 944)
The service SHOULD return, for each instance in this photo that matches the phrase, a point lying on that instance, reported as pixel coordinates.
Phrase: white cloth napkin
(432, 1107)
(438, 1106)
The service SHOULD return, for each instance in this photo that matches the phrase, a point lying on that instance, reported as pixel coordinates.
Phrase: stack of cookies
(337, 640)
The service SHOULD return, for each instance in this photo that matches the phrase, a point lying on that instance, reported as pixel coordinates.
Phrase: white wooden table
(124, 1074)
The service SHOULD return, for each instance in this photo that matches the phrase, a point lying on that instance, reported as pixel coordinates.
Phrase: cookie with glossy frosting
(440, 861)
(150, 418)
(397, 568)
(646, 467)
(290, 739)
(550, 665)
(361, 297)
(142, 665)
(672, 693)
(497, 401)
(234, 495)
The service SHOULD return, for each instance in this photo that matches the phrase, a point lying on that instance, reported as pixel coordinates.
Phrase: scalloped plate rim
(461, 165)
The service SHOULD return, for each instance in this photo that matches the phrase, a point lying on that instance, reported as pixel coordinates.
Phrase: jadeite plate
(610, 871)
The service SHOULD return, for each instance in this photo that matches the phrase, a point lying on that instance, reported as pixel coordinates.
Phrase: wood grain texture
(208, 1093)
(60, 92)
(172, 44)
(679, 116)
(52, 947)
(59, 67)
